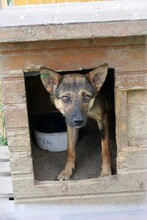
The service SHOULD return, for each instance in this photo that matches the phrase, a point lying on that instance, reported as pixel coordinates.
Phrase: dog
(77, 97)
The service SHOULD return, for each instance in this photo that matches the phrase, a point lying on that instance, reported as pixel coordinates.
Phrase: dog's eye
(66, 99)
(87, 98)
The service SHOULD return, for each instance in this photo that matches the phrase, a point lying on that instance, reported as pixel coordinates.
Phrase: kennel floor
(47, 165)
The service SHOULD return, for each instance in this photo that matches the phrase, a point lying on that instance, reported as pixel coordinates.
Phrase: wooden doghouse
(81, 40)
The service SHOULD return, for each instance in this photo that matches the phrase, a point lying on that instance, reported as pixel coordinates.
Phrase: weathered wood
(78, 43)
(134, 182)
(132, 159)
(136, 117)
(19, 139)
(53, 22)
(12, 73)
(89, 44)
(131, 108)
(13, 90)
(67, 60)
(21, 163)
(125, 200)
(121, 118)
(16, 116)
(134, 80)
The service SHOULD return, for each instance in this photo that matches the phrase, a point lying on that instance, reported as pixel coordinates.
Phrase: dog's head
(74, 94)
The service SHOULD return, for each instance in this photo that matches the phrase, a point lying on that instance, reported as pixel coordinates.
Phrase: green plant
(3, 141)
(3, 138)
(9, 2)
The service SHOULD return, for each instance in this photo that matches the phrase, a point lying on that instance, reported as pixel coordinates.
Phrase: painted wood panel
(31, 2)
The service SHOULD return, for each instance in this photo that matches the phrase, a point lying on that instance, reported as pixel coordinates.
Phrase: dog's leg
(70, 163)
(106, 155)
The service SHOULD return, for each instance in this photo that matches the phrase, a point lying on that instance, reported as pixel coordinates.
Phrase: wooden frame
(127, 78)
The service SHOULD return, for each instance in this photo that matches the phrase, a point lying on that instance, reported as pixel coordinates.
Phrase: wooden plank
(13, 90)
(16, 116)
(131, 80)
(21, 163)
(54, 44)
(137, 114)
(131, 159)
(60, 24)
(20, 2)
(78, 58)
(118, 200)
(121, 118)
(61, 31)
(19, 139)
(25, 187)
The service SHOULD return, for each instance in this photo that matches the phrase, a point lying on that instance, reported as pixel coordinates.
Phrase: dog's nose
(78, 122)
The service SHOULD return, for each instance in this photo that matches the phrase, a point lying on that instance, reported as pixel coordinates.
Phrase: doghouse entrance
(47, 165)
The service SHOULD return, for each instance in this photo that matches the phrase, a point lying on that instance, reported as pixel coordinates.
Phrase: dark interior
(47, 165)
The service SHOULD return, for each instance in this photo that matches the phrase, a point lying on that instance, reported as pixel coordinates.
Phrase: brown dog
(77, 97)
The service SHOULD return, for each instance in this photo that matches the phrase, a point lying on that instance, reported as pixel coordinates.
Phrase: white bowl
(50, 132)
(54, 142)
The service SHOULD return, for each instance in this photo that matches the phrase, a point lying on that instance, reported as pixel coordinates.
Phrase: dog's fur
(77, 97)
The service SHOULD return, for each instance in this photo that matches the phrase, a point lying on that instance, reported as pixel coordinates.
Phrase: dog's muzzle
(77, 121)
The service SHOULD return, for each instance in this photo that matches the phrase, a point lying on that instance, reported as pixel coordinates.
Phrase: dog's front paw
(67, 172)
(64, 175)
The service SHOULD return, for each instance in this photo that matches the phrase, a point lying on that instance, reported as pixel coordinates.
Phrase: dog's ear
(50, 79)
(98, 76)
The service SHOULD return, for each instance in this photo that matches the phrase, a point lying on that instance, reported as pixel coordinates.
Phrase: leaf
(3, 141)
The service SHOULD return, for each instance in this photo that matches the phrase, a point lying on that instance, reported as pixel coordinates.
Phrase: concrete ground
(47, 165)
(11, 211)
